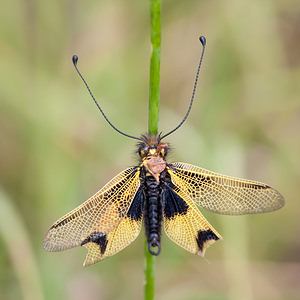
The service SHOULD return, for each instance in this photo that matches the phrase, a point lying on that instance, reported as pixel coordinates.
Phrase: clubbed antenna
(75, 59)
(203, 42)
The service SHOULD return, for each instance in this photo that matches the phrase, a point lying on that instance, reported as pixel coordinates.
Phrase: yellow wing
(99, 218)
(184, 224)
(101, 246)
(224, 194)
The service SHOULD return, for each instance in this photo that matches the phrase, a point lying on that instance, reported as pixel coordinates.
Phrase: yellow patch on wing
(190, 229)
(116, 240)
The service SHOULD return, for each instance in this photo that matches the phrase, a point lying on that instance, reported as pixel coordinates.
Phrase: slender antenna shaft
(203, 42)
(75, 59)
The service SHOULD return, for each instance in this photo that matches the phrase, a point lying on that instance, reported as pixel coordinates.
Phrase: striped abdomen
(153, 214)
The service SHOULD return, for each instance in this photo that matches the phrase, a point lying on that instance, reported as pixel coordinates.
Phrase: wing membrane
(224, 194)
(185, 225)
(101, 213)
(123, 235)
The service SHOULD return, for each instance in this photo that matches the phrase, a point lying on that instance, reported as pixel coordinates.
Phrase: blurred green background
(56, 150)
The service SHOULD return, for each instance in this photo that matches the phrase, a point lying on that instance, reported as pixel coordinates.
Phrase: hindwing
(101, 246)
(183, 222)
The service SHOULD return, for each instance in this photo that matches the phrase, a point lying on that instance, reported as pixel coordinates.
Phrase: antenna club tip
(202, 40)
(75, 60)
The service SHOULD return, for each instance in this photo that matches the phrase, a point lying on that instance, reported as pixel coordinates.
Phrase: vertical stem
(153, 121)
(154, 66)
(149, 273)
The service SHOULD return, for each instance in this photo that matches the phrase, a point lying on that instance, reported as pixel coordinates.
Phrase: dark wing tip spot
(204, 236)
(98, 238)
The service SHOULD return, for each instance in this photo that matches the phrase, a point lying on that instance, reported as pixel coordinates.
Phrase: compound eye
(162, 149)
(144, 152)
(164, 152)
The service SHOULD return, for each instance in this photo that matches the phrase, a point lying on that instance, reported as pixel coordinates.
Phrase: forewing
(184, 224)
(224, 194)
(101, 246)
(101, 213)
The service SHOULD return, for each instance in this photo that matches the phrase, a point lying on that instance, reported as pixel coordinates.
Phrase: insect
(153, 193)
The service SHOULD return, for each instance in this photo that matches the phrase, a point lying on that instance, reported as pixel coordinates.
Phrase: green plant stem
(154, 67)
(153, 121)
(149, 273)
